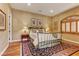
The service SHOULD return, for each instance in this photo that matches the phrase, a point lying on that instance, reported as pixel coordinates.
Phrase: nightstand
(25, 37)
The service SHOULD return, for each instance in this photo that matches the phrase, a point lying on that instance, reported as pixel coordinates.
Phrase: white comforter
(40, 37)
(34, 37)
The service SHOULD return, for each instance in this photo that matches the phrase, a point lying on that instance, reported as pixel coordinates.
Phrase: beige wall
(4, 34)
(21, 19)
(59, 17)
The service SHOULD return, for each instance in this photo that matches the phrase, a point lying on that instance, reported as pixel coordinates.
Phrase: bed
(42, 39)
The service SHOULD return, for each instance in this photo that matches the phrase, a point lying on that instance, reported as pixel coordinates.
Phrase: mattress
(42, 40)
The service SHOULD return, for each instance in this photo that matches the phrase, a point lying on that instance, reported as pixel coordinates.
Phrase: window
(70, 24)
(68, 27)
(63, 27)
(73, 26)
(78, 26)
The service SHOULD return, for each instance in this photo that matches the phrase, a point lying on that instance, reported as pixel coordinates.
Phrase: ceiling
(44, 8)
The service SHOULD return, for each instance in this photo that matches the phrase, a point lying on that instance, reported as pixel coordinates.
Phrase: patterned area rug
(63, 49)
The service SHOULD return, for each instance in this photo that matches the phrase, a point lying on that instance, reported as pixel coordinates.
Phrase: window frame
(70, 20)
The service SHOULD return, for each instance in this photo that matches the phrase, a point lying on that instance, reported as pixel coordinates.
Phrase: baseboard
(4, 49)
(15, 40)
(71, 41)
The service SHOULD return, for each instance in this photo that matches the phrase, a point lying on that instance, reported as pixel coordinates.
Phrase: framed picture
(2, 20)
(33, 21)
(36, 22)
(39, 22)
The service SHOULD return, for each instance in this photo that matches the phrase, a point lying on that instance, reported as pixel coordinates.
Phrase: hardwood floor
(75, 54)
(14, 50)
